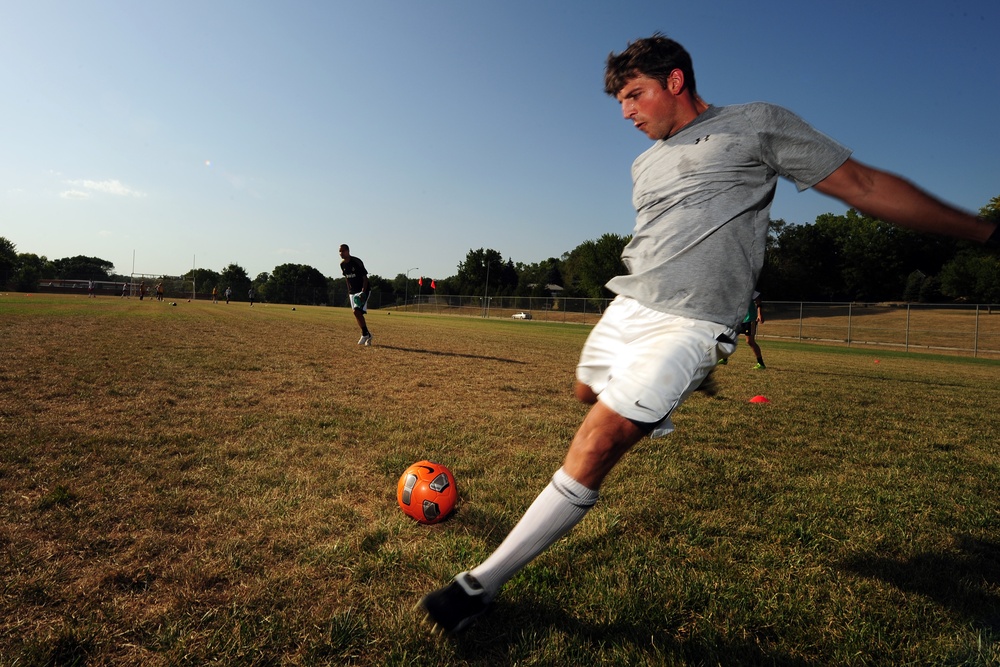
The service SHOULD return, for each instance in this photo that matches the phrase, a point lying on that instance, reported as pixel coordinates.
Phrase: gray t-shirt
(703, 200)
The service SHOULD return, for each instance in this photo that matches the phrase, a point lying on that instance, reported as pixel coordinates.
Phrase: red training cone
(759, 399)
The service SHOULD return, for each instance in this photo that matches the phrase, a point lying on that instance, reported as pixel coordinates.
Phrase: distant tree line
(853, 257)
(849, 257)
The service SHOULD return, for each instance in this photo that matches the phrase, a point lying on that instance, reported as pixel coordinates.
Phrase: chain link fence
(943, 328)
(967, 330)
(962, 329)
(544, 309)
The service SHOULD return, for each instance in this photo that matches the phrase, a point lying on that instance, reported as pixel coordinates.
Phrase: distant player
(748, 327)
(357, 289)
(703, 193)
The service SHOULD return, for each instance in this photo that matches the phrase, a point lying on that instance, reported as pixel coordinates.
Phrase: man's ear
(675, 82)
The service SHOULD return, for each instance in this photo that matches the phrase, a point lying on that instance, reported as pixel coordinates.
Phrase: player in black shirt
(358, 289)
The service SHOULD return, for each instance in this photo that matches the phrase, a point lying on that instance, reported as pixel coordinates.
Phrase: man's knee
(602, 439)
(584, 393)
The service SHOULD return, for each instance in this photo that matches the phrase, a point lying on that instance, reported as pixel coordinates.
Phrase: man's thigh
(642, 363)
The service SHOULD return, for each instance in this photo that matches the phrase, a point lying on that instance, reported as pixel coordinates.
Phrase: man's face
(654, 110)
(344, 253)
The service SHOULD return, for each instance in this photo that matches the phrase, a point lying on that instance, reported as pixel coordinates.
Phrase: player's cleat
(723, 361)
(452, 608)
(759, 366)
(708, 386)
(365, 340)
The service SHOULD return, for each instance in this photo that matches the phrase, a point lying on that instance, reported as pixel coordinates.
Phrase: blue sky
(261, 133)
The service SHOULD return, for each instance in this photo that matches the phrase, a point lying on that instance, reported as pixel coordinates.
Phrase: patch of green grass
(210, 483)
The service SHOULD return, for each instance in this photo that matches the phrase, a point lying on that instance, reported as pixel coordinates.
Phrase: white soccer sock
(559, 507)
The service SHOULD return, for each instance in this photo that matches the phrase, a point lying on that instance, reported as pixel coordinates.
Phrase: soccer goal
(144, 285)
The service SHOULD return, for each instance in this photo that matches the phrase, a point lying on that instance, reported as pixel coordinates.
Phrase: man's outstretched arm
(887, 197)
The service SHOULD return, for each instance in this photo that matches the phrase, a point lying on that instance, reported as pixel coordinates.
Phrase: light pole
(486, 292)
(406, 285)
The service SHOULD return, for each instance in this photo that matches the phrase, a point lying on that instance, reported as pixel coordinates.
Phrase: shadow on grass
(514, 630)
(439, 353)
(963, 581)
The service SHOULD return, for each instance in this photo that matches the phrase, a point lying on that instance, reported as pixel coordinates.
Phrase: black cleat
(708, 386)
(453, 608)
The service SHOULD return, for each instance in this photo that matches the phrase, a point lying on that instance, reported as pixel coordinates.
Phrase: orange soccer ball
(427, 492)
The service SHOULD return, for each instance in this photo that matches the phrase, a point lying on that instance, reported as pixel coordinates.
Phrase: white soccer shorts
(642, 363)
(359, 301)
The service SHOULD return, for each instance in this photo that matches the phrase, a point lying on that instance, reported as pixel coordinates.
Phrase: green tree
(973, 271)
(769, 276)
(82, 268)
(235, 276)
(871, 257)
(296, 284)
(589, 266)
(383, 292)
(446, 286)
(914, 286)
(8, 261)
(991, 211)
(930, 290)
(485, 272)
(804, 265)
(975, 277)
(336, 291)
(849, 257)
(30, 270)
(532, 278)
(205, 280)
(404, 287)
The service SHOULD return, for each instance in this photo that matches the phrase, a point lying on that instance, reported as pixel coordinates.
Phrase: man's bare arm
(887, 197)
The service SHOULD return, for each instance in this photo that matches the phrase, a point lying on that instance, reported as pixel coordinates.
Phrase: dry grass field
(211, 484)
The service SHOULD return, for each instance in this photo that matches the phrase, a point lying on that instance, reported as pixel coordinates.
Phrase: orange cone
(759, 399)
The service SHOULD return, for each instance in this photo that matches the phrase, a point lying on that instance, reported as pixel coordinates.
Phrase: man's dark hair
(343, 246)
(655, 57)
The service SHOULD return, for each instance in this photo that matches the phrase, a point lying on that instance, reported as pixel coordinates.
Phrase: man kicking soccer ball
(703, 193)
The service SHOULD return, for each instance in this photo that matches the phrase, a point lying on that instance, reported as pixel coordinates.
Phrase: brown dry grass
(166, 465)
